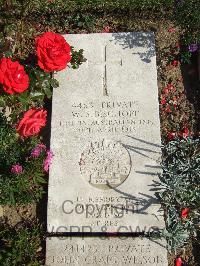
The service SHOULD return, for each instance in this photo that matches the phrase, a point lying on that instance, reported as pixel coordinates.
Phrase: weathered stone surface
(105, 138)
(105, 251)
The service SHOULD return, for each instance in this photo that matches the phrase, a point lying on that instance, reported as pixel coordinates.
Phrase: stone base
(102, 250)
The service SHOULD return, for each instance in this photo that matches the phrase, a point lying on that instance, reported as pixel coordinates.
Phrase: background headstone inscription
(105, 251)
(105, 138)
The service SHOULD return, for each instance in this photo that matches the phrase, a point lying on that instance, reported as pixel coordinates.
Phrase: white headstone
(105, 137)
(89, 251)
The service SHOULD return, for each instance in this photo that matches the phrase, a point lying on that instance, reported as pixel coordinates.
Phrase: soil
(15, 215)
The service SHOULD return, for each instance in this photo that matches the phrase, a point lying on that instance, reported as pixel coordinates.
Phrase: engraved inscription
(110, 117)
(105, 164)
(120, 251)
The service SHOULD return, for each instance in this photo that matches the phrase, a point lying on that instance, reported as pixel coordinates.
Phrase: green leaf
(36, 94)
(54, 83)
(2, 102)
(41, 180)
(8, 54)
(23, 97)
(48, 92)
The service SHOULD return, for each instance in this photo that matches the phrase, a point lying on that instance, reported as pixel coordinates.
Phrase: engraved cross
(104, 63)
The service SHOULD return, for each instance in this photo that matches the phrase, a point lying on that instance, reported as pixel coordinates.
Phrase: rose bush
(31, 82)
(13, 76)
(53, 52)
(26, 85)
(31, 123)
(22, 175)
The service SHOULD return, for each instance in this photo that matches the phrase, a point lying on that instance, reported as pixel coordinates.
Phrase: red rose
(106, 29)
(178, 262)
(13, 76)
(163, 101)
(171, 135)
(174, 63)
(175, 101)
(31, 123)
(168, 109)
(186, 132)
(53, 52)
(168, 88)
(171, 30)
(184, 213)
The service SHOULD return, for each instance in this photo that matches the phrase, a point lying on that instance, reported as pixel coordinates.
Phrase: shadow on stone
(146, 142)
(145, 201)
(139, 39)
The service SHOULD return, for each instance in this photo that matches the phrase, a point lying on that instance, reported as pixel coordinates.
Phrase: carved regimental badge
(105, 164)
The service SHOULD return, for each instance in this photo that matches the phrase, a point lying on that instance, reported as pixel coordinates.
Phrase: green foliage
(65, 16)
(23, 187)
(75, 5)
(77, 58)
(40, 87)
(181, 176)
(180, 188)
(178, 231)
(20, 245)
(81, 20)
(188, 17)
(186, 56)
